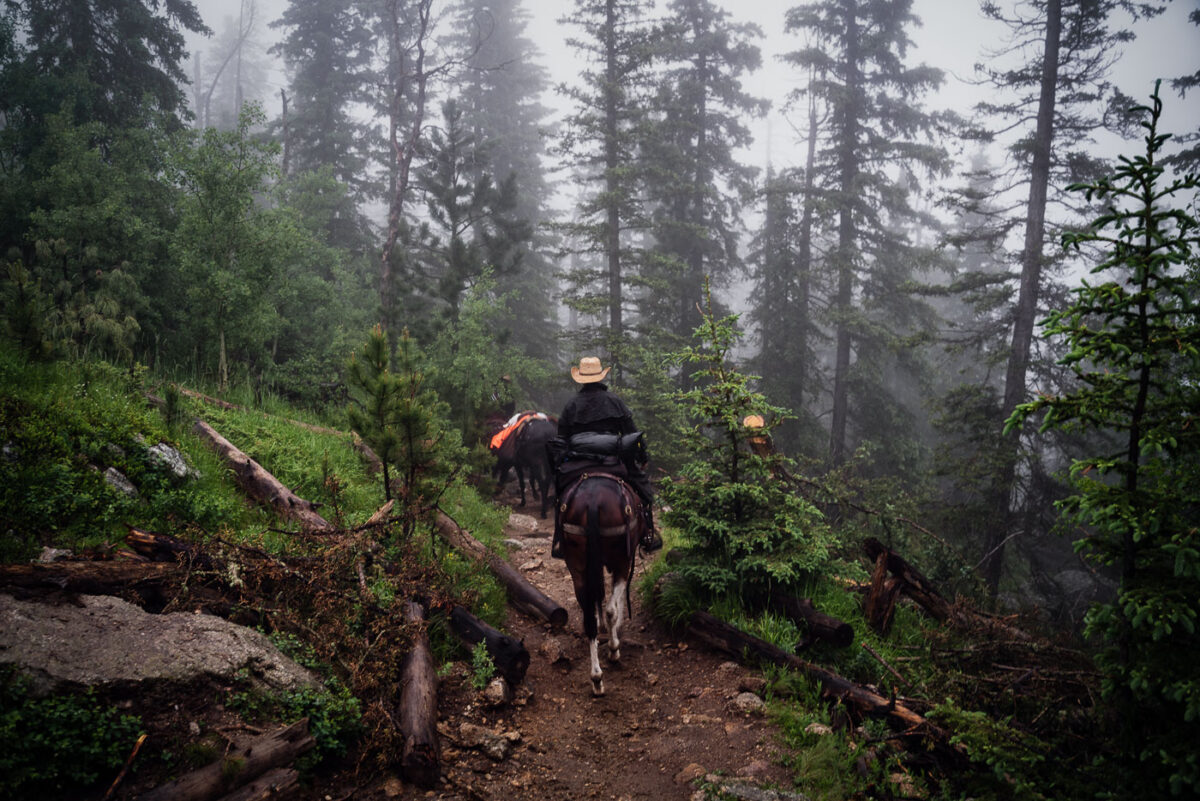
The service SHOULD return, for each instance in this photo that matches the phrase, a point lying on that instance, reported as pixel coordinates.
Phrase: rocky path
(672, 713)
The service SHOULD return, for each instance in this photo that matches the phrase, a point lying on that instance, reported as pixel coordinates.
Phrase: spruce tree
(1133, 339)
(375, 395)
(747, 529)
(694, 184)
(326, 49)
(876, 131)
(499, 89)
(600, 144)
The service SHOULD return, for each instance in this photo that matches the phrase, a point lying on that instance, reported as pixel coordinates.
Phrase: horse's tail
(593, 577)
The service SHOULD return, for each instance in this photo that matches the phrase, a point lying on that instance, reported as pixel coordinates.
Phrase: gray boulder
(164, 456)
(106, 642)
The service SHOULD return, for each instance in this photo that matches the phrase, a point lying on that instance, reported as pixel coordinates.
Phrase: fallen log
(740, 645)
(523, 595)
(420, 759)
(92, 578)
(278, 783)
(260, 484)
(915, 585)
(816, 624)
(374, 464)
(239, 767)
(911, 582)
(509, 655)
(165, 548)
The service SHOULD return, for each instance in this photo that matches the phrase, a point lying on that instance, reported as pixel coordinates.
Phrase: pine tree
(375, 393)
(876, 129)
(787, 288)
(327, 51)
(599, 140)
(694, 184)
(1134, 341)
(470, 223)
(499, 90)
(109, 62)
(747, 529)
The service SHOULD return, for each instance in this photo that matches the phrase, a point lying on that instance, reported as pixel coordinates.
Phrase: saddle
(616, 472)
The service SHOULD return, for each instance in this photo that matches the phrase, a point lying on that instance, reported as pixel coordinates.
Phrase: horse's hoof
(614, 656)
(597, 688)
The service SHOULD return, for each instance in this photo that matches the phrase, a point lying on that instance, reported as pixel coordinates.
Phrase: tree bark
(260, 484)
(881, 600)
(91, 578)
(913, 583)
(848, 168)
(420, 759)
(523, 595)
(1025, 316)
(508, 654)
(241, 766)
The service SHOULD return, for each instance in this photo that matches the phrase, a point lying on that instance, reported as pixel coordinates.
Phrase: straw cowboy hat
(589, 371)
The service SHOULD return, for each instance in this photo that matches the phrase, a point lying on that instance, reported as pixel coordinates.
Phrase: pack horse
(521, 446)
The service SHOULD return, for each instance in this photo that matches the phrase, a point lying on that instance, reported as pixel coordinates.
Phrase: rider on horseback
(595, 409)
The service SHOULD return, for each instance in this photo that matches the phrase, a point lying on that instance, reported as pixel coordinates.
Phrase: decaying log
(915, 585)
(259, 484)
(165, 548)
(912, 583)
(381, 513)
(508, 654)
(239, 767)
(740, 645)
(92, 578)
(817, 624)
(278, 783)
(210, 400)
(523, 595)
(420, 760)
(882, 597)
(374, 464)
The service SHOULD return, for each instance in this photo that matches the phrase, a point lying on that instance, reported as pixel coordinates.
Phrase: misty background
(237, 192)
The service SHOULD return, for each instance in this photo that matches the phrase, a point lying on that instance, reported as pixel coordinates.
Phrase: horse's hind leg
(591, 630)
(614, 615)
(521, 482)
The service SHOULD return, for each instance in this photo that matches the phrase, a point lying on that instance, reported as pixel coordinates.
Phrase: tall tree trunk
(847, 173)
(287, 139)
(403, 135)
(804, 265)
(611, 165)
(222, 363)
(1027, 301)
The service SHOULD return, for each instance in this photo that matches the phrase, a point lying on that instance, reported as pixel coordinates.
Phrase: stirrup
(651, 542)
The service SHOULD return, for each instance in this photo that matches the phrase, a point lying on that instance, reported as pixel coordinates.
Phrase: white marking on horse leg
(615, 615)
(597, 674)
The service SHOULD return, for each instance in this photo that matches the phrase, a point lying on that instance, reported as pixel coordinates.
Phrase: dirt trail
(668, 715)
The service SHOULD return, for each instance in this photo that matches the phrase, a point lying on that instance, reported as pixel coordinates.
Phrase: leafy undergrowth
(63, 425)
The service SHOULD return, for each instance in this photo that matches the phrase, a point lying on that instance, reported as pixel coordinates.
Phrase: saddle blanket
(514, 424)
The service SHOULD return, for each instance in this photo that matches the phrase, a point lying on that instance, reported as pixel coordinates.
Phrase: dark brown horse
(601, 518)
(525, 451)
